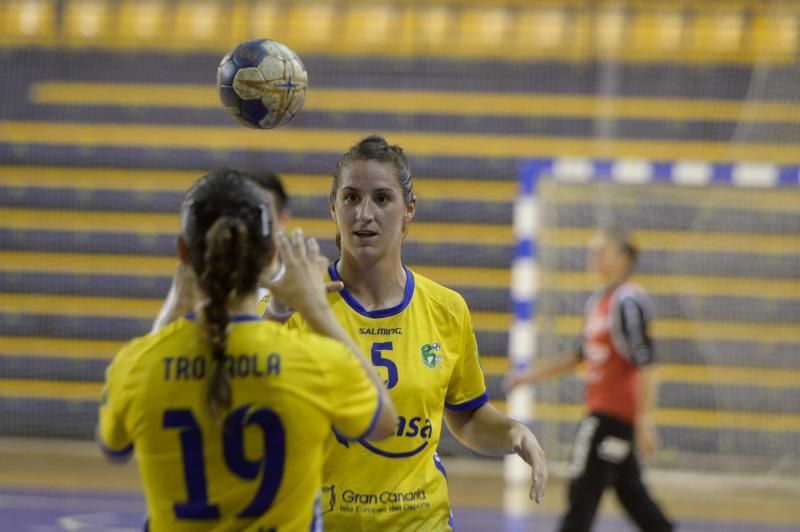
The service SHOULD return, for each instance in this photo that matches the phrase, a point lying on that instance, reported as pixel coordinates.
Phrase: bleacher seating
(701, 31)
(106, 119)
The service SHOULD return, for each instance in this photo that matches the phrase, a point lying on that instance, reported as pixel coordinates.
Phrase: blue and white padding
(524, 287)
(684, 173)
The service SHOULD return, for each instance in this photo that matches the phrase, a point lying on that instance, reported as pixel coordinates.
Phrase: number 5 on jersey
(380, 362)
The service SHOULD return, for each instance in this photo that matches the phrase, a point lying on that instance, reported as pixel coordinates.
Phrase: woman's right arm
(301, 288)
(323, 322)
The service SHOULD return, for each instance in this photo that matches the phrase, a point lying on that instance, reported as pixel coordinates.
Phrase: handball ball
(262, 83)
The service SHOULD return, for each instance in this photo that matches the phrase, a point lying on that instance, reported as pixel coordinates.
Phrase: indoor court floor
(49, 486)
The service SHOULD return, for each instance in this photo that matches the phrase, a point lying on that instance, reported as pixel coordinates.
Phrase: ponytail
(226, 224)
(225, 260)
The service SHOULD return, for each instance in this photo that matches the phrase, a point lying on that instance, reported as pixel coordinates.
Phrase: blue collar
(381, 313)
(234, 319)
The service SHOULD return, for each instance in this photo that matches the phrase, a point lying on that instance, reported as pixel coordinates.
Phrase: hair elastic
(266, 220)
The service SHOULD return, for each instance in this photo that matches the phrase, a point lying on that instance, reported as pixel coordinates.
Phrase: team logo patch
(430, 355)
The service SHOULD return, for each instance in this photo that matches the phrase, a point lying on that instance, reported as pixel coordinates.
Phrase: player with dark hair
(272, 184)
(229, 413)
(179, 300)
(621, 390)
(421, 340)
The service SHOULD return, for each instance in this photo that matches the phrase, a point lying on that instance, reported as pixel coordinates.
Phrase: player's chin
(367, 252)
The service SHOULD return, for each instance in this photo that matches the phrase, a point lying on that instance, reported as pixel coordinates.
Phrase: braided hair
(226, 224)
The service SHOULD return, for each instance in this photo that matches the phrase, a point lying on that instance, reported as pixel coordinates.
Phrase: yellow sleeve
(354, 399)
(112, 436)
(467, 388)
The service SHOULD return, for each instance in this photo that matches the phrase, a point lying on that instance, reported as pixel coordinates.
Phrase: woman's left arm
(487, 431)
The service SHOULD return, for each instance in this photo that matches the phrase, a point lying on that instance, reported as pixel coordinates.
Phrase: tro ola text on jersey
(238, 366)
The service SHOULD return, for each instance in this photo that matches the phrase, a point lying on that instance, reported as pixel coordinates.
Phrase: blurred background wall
(108, 111)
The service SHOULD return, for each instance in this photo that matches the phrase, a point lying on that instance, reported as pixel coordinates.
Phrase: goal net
(720, 264)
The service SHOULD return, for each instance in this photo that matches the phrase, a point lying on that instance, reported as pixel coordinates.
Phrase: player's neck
(378, 285)
(244, 306)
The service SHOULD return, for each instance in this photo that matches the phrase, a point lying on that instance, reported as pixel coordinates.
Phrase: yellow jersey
(425, 349)
(257, 468)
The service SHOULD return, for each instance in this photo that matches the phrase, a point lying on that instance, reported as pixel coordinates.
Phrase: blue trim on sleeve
(114, 455)
(341, 438)
(382, 313)
(472, 404)
(375, 417)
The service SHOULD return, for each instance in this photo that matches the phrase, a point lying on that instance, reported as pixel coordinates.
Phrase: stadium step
(83, 136)
(155, 181)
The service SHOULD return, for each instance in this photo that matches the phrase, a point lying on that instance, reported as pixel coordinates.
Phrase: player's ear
(284, 217)
(411, 210)
(182, 249)
(271, 268)
(333, 211)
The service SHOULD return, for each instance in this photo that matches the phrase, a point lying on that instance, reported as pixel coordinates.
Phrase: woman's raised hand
(301, 284)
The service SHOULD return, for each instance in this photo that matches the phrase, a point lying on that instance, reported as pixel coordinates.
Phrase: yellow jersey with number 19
(425, 349)
(257, 468)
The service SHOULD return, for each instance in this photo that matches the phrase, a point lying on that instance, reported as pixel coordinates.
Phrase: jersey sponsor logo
(382, 502)
(413, 428)
(350, 496)
(380, 331)
(430, 355)
(389, 454)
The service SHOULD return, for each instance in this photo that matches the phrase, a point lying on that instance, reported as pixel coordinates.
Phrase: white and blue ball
(262, 83)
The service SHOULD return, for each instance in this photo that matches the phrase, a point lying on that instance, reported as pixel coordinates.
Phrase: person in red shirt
(621, 390)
